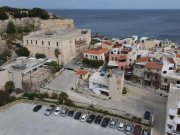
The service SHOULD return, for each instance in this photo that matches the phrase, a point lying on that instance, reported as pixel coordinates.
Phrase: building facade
(173, 111)
(69, 42)
(95, 54)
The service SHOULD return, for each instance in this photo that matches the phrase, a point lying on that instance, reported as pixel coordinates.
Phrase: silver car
(48, 111)
(128, 129)
(112, 124)
(121, 126)
(64, 112)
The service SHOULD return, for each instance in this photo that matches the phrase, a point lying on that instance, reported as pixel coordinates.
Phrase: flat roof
(99, 78)
(24, 64)
(117, 72)
(57, 33)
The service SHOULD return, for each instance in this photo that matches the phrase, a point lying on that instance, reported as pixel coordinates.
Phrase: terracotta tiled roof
(125, 50)
(153, 65)
(107, 43)
(96, 51)
(142, 59)
(177, 48)
(177, 55)
(82, 72)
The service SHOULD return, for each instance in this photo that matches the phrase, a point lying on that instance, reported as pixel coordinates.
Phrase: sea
(160, 24)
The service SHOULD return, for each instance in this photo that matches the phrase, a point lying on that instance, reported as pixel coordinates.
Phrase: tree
(17, 15)
(54, 66)
(3, 16)
(11, 28)
(57, 53)
(23, 51)
(63, 96)
(9, 86)
(37, 12)
(5, 98)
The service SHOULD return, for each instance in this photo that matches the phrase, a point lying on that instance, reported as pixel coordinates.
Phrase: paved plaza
(64, 82)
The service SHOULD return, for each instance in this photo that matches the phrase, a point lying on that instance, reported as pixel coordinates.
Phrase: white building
(173, 111)
(110, 84)
(70, 43)
(95, 54)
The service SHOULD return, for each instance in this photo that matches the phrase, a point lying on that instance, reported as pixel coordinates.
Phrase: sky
(93, 4)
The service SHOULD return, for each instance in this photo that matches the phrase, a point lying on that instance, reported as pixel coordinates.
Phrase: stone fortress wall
(38, 23)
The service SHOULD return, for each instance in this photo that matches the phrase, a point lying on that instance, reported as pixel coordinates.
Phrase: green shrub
(69, 102)
(23, 51)
(40, 55)
(63, 96)
(94, 63)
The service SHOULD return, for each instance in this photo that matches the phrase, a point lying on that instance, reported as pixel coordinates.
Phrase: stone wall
(38, 23)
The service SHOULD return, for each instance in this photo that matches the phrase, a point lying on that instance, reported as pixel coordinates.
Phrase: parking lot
(21, 120)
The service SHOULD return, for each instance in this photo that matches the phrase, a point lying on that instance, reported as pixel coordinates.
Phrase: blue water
(162, 24)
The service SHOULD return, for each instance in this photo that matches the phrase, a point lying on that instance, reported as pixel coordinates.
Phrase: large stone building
(70, 43)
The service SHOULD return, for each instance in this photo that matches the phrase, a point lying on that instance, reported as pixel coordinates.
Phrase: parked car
(121, 126)
(71, 113)
(37, 108)
(84, 117)
(147, 115)
(128, 129)
(57, 111)
(105, 122)
(64, 112)
(112, 123)
(137, 130)
(77, 115)
(91, 118)
(98, 120)
(48, 111)
(145, 132)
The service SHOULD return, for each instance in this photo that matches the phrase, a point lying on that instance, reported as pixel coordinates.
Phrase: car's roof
(121, 124)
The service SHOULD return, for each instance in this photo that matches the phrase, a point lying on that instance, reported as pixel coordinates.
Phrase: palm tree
(57, 53)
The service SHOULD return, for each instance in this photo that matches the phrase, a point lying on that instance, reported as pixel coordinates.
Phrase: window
(165, 80)
(147, 75)
(31, 42)
(157, 70)
(164, 72)
(129, 59)
(170, 68)
(49, 43)
(171, 117)
(86, 56)
(42, 42)
(36, 42)
(27, 42)
(57, 44)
